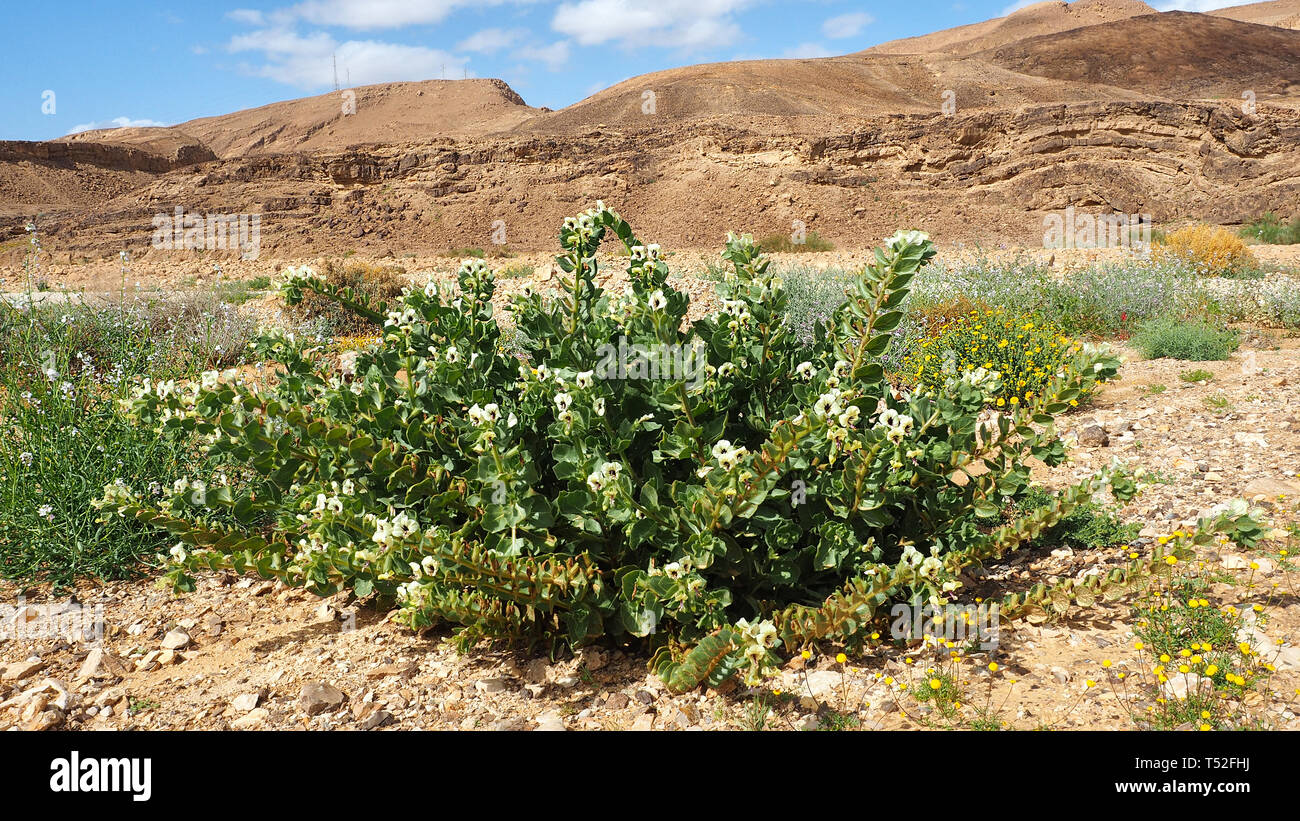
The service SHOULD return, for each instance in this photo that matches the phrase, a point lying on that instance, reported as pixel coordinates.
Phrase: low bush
(1197, 340)
(812, 295)
(1272, 302)
(1087, 527)
(364, 280)
(789, 244)
(1269, 229)
(712, 491)
(1211, 250)
(62, 372)
(1025, 354)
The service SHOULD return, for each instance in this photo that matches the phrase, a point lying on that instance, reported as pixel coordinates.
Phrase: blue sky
(147, 63)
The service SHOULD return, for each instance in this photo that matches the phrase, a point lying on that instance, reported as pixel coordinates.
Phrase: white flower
(209, 380)
(583, 380)
(26, 458)
(901, 238)
(45, 512)
(453, 354)
(804, 370)
(726, 369)
(658, 301)
(563, 401)
(828, 404)
(598, 405)
(178, 552)
(723, 446)
(431, 289)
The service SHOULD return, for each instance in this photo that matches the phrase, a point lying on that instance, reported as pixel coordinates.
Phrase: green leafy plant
(1196, 375)
(1088, 526)
(1268, 228)
(1191, 339)
(62, 370)
(713, 491)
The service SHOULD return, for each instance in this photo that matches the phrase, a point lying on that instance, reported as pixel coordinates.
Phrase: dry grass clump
(1214, 251)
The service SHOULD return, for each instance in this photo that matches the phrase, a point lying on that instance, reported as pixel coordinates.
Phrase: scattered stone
(1094, 436)
(491, 685)
(616, 701)
(46, 720)
(246, 702)
(255, 719)
(176, 640)
(1061, 675)
(20, 670)
(318, 697)
(593, 658)
(378, 718)
(535, 672)
(400, 670)
(550, 722)
(1180, 684)
(100, 663)
(213, 625)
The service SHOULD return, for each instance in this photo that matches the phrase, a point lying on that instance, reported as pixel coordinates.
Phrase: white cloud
(250, 17)
(554, 56)
(490, 41)
(307, 61)
(116, 122)
(681, 23)
(374, 14)
(847, 25)
(804, 51)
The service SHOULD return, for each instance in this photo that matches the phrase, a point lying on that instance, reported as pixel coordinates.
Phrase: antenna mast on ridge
(335, 57)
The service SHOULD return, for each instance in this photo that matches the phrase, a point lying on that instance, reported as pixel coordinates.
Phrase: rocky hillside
(990, 174)
(1098, 104)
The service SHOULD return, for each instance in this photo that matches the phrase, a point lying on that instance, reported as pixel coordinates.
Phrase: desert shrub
(1014, 284)
(787, 244)
(1273, 302)
(1089, 526)
(1192, 339)
(374, 283)
(62, 371)
(1112, 299)
(1026, 354)
(712, 508)
(812, 295)
(1269, 229)
(1211, 250)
